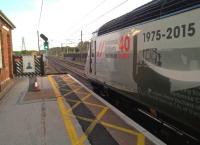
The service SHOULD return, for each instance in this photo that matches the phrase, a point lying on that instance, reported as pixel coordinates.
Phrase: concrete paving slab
(24, 121)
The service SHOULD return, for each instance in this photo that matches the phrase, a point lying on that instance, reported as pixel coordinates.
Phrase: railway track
(159, 128)
(79, 66)
(76, 70)
(63, 66)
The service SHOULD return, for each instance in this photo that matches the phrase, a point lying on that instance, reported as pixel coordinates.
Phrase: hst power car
(152, 56)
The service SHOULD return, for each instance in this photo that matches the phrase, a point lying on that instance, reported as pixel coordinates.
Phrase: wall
(6, 72)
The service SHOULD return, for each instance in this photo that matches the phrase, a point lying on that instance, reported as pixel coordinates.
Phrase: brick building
(6, 71)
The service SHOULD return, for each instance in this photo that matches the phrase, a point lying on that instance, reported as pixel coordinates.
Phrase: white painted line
(129, 121)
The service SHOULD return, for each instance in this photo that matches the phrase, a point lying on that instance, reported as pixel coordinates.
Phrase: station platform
(88, 119)
(62, 111)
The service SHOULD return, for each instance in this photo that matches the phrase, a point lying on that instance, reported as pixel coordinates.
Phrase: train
(151, 55)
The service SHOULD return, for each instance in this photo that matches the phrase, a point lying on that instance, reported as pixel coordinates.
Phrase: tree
(83, 46)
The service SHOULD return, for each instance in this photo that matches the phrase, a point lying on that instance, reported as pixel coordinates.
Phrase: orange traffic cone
(36, 86)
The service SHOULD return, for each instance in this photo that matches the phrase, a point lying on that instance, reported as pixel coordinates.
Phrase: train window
(186, 59)
(151, 55)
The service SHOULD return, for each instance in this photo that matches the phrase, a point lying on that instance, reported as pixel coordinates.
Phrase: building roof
(5, 18)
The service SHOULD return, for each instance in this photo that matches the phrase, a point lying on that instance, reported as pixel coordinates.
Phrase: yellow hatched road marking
(69, 80)
(78, 103)
(140, 136)
(87, 103)
(81, 93)
(72, 91)
(69, 126)
(106, 124)
(81, 118)
(67, 77)
(70, 83)
(64, 89)
(119, 128)
(92, 125)
(126, 130)
(92, 104)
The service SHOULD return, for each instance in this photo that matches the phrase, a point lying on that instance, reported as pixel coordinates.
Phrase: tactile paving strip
(94, 131)
(101, 126)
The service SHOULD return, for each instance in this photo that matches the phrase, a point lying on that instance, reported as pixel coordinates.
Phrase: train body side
(159, 60)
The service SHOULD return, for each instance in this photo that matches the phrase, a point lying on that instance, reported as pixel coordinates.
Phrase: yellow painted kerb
(69, 126)
(65, 112)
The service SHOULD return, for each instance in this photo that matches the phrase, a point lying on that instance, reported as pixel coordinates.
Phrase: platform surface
(100, 123)
(31, 118)
(64, 112)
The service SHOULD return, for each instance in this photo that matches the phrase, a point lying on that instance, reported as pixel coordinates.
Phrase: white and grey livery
(153, 51)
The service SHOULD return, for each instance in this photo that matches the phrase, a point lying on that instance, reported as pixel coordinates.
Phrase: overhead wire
(107, 12)
(38, 39)
(41, 8)
(99, 17)
(89, 13)
(94, 9)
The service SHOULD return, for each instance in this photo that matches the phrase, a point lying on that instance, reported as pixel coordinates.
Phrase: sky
(61, 20)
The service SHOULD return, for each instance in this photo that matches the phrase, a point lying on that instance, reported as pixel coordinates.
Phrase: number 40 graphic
(124, 44)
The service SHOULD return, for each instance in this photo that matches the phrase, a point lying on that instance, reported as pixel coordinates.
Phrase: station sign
(28, 64)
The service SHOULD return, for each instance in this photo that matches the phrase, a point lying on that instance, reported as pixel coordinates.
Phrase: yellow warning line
(126, 130)
(56, 91)
(87, 103)
(69, 126)
(92, 125)
(81, 93)
(140, 139)
(68, 122)
(72, 91)
(119, 128)
(140, 136)
(78, 103)
(65, 89)
(67, 77)
(97, 105)
(72, 83)
(65, 112)
(81, 118)
(69, 80)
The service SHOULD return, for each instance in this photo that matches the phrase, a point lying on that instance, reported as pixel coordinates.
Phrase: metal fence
(76, 56)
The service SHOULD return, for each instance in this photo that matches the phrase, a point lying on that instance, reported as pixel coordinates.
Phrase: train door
(135, 69)
(92, 64)
(90, 58)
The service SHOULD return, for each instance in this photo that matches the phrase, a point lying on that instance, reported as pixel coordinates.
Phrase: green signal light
(46, 45)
